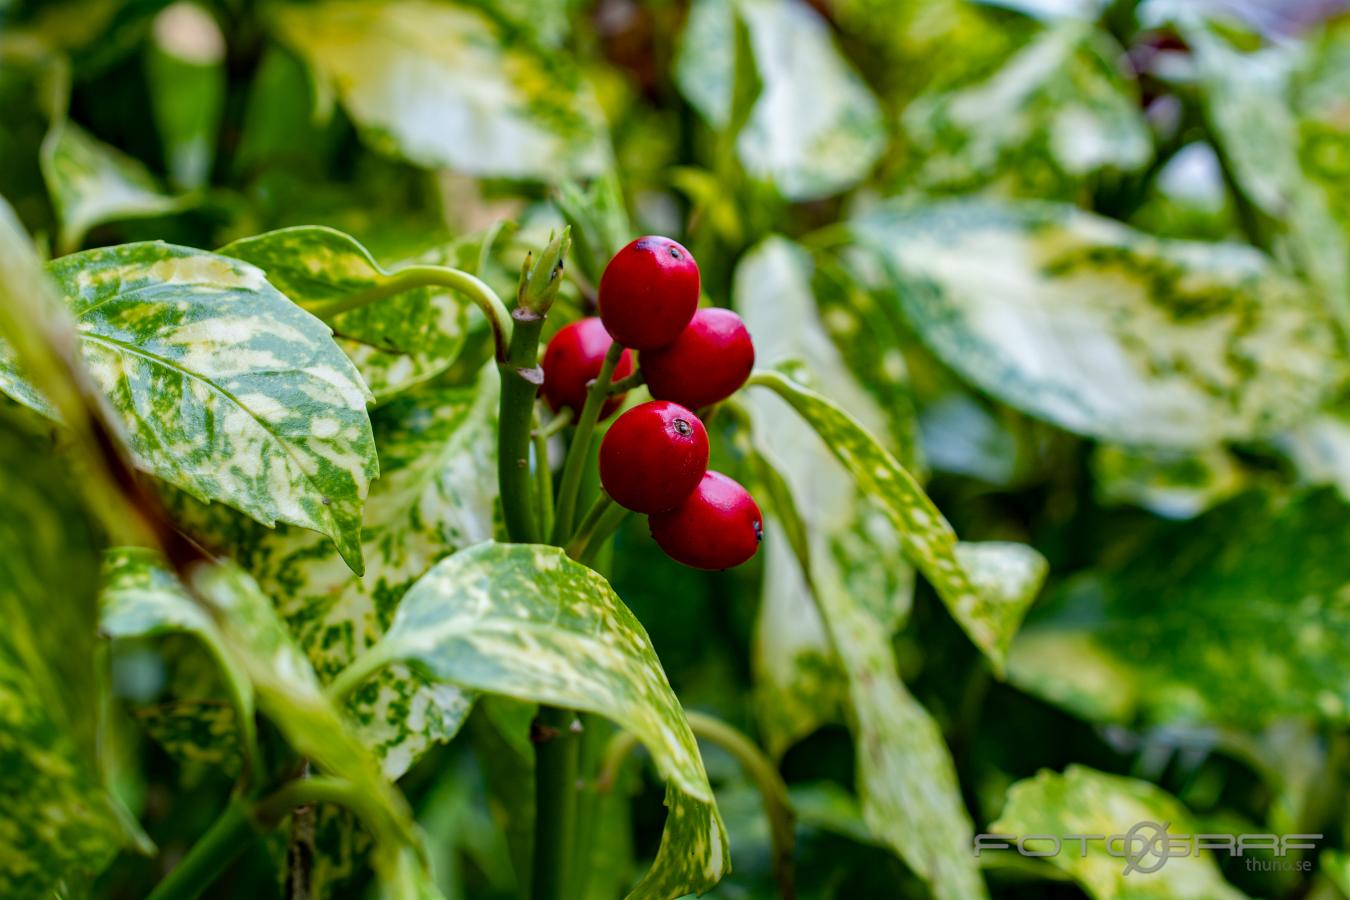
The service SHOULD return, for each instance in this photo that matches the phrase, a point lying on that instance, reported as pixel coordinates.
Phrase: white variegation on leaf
(815, 129)
(443, 87)
(396, 341)
(225, 388)
(140, 598)
(1103, 330)
(528, 622)
(92, 183)
(1084, 801)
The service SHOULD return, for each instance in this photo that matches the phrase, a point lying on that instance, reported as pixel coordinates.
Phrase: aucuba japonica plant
(485, 449)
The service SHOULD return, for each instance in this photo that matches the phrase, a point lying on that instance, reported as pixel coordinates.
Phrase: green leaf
(1158, 635)
(1055, 113)
(443, 87)
(200, 732)
(186, 79)
(1105, 331)
(141, 598)
(1169, 483)
(528, 622)
(226, 389)
(986, 586)
(1085, 801)
(404, 338)
(59, 823)
(92, 183)
(815, 129)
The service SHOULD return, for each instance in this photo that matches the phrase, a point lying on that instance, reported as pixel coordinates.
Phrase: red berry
(707, 363)
(649, 292)
(716, 527)
(653, 456)
(573, 359)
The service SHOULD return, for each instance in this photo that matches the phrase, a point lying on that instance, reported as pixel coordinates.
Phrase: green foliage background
(1081, 269)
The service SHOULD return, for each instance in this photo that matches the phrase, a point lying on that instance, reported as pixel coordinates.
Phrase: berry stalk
(575, 464)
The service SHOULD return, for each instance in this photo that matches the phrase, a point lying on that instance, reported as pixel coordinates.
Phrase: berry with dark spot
(708, 362)
(649, 292)
(716, 527)
(653, 456)
(572, 360)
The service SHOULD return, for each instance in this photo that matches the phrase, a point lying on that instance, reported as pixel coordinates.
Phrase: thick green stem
(227, 837)
(521, 378)
(577, 453)
(637, 379)
(306, 792)
(484, 297)
(589, 540)
(556, 751)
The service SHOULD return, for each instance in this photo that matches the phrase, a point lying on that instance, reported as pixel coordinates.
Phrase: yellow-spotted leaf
(92, 183)
(814, 129)
(59, 823)
(406, 336)
(141, 598)
(528, 622)
(1103, 330)
(442, 86)
(225, 388)
(988, 587)
(1083, 801)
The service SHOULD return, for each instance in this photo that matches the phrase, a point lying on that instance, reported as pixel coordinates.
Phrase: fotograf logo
(1146, 846)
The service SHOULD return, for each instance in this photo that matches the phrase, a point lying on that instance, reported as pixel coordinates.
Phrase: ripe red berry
(573, 359)
(708, 361)
(653, 456)
(716, 527)
(649, 292)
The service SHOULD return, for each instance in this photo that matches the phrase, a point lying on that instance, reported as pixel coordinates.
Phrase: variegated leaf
(397, 341)
(92, 183)
(1157, 635)
(140, 598)
(1169, 483)
(528, 622)
(1056, 112)
(196, 732)
(443, 87)
(59, 824)
(1103, 330)
(986, 586)
(798, 684)
(226, 388)
(815, 128)
(1083, 801)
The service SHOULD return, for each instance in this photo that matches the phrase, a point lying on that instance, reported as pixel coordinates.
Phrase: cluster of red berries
(654, 458)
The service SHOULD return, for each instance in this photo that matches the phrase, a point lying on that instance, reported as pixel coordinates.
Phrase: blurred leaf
(851, 546)
(61, 825)
(1168, 483)
(1159, 635)
(530, 623)
(1058, 111)
(442, 87)
(986, 586)
(92, 183)
(141, 598)
(1085, 801)
(599, 222)
(187, 82)
(1106, 331)
(226, 389)
(201, 732)
(397, 341)
(815, 128)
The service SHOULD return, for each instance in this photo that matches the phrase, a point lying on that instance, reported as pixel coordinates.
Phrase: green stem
(556, 751)
(543, 478)
(616, 754)
(583, 548)
(557, 423)
(355, 674)
(588, 522)
(484, 297)
(772, 790)
(306, 792)
(227, 837)
(521, 377)
(581, 444)
(637, 379)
